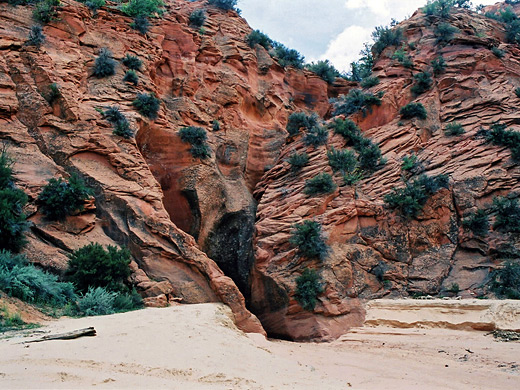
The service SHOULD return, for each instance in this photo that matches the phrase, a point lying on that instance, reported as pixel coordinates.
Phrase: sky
(327, 29)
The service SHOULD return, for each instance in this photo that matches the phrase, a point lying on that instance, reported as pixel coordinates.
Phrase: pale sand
(198, 347)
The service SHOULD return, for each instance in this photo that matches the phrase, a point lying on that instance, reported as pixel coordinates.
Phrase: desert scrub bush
(319, 184)
(370, 82)
(299, 120)
(507, 215)
(257, 37)
(403, 58)
(60, 198)
(13, 222)
(53, 93)
(413, 110)
(123, 129)
(409, 162)
(348, 130)
(147, 105)
(454, 129)
(308, 238)
(385, 37)
(215, 125)
(141, 24)
(316, 136)
(96, 302)
(498, 134)
(369, 155)
(411, 199)
(517, 92)
(113, 114)
(498, 52)
(444, 32)
(298, 161)
(36, 36)
(131, 77)
(423, 82)
(104, 65)
(46, 10)
(442, 8)
(287, 57)
(197, 18)
(128, 301)
(20, 279)
(308, 287)
(145, 8)
(477, 223)
(132, 62)
(325, 70)
(94, 5)
(356, 101)
(223, 4)
(196, 137)
(343, 161)
(93, 266)
(505, 282)
(438, 65)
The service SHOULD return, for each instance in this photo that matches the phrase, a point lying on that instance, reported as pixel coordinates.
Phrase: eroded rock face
(375, 252)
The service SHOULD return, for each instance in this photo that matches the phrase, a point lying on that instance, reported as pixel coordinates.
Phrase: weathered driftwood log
(90, 331)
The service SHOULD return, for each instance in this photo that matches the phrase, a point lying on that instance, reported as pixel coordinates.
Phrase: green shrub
(369, 155)
(308, 287)
(9, 321)
(348, 130)
(507, 215)
(505, 282)
(147, 105)
(61, 198)
(104, 65)
(94, 5)
(132, 62)
(36, 36)
(438, 65)
(197, 18)
(298, 161)
(499, 135)
(513, 32)
(423, 82)
(308, 239)
(356, 100)
(316, 136)
(196, 136)
(97, 302)
(128, 301)
(141, 24)
(257, 37)
(343, 161)
(370, 82)
(454, 129)
(22, 280)
(324, 70)
(113, 115)
(477, 222)
(498, 52)
(411, 199)
(46, 10)
(215, 125)
(299, 120)
(320, 184)
(53, 93)
(444, 32)
(413, 110)
(438, 8)
(409, 162)
(131, 77)
(93, 266)
(385, 37)
(403, 58)
(517, 92)
(362, 69)
(122, 129)
(223, 4)
(142, 7)
(353, 177)
(287, 57)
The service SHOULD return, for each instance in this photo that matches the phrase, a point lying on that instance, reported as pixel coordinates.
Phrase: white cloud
(345, 48)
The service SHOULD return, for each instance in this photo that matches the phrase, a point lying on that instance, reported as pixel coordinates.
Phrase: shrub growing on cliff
(298, 161)
(319, 184)
(141, 24)
(385, 37)
(413, 110)
(287, 57)
(308, 287)
(507, 215)
(343, 161)
(131, 77)
(61, 198)
(257, 37)
(196, 137)
(409, 162)
(411, 199)
(348, 130)
(46, 10)
(498, 52)
(356, 100)
(517, 92)
(499, 135)
(370, 82)
(36, 36)
(93, 266)
(132, 62)
(223, 4)
(143, 7)
(505, 282)
(444, 32)
(147, 105)
(104, 65)
(403, 58)
(197, 18)
(308, 238)
(438, 65)
(316, 136)
(299, 120)
(477, 222)
(454, 129)
(423, 82)
(325, 70)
